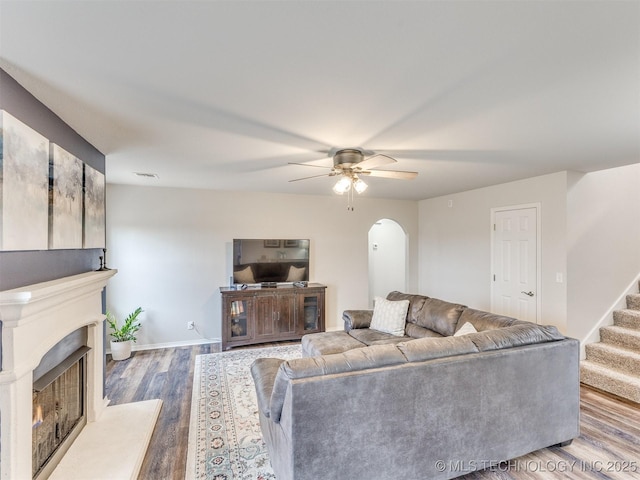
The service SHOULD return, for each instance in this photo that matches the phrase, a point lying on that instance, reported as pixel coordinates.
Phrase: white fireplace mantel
(34, 318)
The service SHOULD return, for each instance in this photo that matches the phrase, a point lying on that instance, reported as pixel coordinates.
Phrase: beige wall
(455, 243)
(590, 234)
(173, 250)
(603, 248)
(173, 247)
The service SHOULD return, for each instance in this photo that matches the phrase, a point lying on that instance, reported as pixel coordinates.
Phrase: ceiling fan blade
(397, 174)
(308, 165)
(313, 176)
(376, 161)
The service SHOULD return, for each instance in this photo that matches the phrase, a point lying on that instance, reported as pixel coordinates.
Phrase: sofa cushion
(375, 356)
(429, 348)
(524, 333)
(371, 337)
(389, 316)
(325, 343)
(415, 303)
(485, 320)
(466, 329)
(416, 331)
(440, 316)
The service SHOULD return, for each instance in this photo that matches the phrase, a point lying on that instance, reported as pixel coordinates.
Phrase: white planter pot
(121, 350)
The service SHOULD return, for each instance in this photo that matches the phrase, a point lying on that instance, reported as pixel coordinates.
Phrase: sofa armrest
(264, 371)
(356, 319)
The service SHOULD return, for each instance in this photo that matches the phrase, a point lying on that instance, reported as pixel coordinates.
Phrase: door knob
(528, 293)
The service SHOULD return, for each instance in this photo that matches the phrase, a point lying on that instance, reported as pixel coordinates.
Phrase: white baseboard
(607, 319)
(183, 343)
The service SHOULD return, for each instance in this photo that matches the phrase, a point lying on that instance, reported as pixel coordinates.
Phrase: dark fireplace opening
(59, 411)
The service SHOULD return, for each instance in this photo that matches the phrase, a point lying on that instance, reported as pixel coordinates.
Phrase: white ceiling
(221, 95)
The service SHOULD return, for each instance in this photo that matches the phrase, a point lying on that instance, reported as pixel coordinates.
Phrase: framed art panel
(65, 208)
(24, 186)
(94, 216)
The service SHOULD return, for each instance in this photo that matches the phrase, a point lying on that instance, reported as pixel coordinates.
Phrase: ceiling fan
(350, 164)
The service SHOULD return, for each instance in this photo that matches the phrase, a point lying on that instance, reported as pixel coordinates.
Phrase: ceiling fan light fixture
(342, 186)
(359, 185)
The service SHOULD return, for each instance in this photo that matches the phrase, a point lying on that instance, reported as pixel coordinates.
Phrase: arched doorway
(387, 259)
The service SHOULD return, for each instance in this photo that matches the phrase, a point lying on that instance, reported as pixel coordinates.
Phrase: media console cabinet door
(310, 312)
(237, 318)
(285, 316)
(275, 315)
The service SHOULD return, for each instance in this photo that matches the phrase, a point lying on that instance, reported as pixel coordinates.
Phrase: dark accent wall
(21, 268)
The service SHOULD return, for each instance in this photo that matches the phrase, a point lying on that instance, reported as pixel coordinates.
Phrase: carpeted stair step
(621, 336)
(603, 378)
(620, 359)
(627, 318)
(633, 301)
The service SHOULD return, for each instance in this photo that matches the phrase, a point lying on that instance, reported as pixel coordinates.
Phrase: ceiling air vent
(147, 175)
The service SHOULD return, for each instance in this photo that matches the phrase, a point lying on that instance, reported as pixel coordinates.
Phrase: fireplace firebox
(59, 411)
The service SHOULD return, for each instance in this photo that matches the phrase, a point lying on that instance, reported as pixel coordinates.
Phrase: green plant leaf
(128, 329)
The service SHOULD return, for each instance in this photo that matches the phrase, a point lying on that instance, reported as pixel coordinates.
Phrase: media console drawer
(259, 315)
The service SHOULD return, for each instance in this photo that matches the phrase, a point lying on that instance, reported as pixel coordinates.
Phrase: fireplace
(62, 381)
(58, 411)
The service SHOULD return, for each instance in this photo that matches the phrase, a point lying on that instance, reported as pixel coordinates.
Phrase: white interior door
(515, 263)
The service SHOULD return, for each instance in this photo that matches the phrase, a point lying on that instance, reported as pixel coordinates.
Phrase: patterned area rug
(225, 442)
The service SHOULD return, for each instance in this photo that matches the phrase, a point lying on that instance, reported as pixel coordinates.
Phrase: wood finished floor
(606, 449)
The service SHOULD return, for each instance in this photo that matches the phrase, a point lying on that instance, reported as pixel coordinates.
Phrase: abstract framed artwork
(66, 199)
(94, 215)
(24, 186)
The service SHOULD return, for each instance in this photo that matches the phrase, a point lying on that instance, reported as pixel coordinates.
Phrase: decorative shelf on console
(259, 315)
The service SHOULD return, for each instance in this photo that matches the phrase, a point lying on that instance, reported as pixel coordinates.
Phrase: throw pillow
(295, 274)
(244, 276)
(466, 329)
(389, 316)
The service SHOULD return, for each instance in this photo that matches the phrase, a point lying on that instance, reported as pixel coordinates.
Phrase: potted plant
(122, 337)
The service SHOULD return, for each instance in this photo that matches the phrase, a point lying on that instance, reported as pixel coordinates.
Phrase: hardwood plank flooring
(166, 374)
(606, 449)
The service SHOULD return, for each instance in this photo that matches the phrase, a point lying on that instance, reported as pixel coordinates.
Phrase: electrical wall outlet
(190, 325)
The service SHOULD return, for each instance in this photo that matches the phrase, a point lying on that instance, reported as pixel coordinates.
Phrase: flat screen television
(270, 260)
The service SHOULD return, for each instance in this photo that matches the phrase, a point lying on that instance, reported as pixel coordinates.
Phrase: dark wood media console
(259, 315)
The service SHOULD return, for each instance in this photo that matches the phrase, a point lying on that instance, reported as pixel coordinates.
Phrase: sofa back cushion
(423, 349)
(523, 333)
(416, 331)
(485, 320)
(374, 356)
(415, 303)
(439, 316)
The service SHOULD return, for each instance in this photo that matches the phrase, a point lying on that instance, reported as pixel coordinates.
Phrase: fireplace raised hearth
(34, 320)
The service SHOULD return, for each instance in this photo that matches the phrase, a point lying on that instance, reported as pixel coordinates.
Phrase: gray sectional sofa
(363, 404)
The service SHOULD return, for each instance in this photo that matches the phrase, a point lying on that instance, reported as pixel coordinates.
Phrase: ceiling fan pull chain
(350, 198)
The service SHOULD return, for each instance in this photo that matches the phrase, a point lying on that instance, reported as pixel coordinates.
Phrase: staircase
(613, 364)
